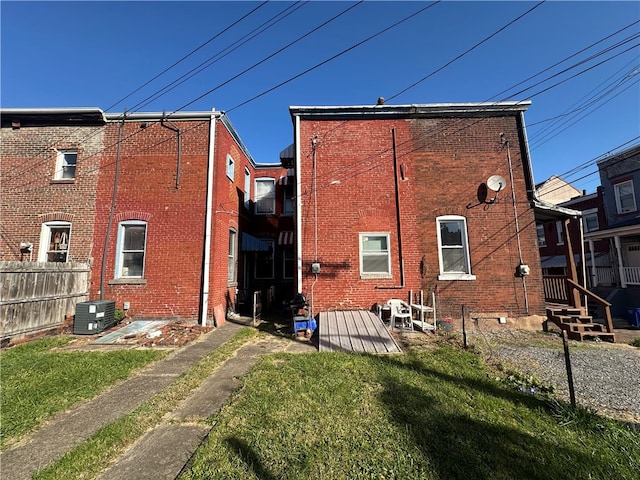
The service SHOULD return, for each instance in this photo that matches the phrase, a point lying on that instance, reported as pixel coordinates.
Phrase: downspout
(171, 126)
(113, 207)
(206, 262)
(314, 144)
(398, 218)
(298, 210)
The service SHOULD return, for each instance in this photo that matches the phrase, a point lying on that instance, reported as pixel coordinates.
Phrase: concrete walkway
(164, 451)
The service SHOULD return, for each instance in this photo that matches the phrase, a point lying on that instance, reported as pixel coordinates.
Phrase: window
(559, 233)
(264, 262)
(288, 262)
(590, 220)
(247, 188)
(542, 242)
(230, 167)
(132, 236)
(453, 248)
(287, 200)
(231, 271)
(66, 165)
(54, 242)
(375, 258)
(625, 197)
(265, 196)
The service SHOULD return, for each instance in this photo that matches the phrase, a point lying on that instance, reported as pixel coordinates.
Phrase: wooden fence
(37, 296)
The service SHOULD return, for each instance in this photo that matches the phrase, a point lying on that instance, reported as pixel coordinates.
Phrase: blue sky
(110, 54)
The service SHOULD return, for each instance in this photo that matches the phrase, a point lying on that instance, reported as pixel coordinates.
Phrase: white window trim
(60, 163)
(231, 167)
(285, 202)
(247, 188)
(559, 233)
(465, 246)
(616, 189)
(45, 238)
(120, 240)
(592, 212)
(542, 242)
(257, 200)
(232, 268)
(364, 274)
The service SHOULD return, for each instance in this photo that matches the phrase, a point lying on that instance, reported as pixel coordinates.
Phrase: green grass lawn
(39, 381)
(430, 414)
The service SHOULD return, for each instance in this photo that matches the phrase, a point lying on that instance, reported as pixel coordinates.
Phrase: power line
(467, 51)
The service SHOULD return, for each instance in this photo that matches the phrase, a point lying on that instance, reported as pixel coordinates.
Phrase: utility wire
(467, 51)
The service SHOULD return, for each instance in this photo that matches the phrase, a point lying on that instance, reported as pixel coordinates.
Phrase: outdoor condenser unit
(94, 317)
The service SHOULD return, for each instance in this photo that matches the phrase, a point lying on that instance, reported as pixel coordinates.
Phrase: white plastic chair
(400, 314)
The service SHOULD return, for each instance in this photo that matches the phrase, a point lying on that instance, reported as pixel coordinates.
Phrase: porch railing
(606, 276)
(631, 275)
(555, 288)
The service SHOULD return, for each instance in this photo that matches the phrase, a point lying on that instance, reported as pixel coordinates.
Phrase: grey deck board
(354, 331)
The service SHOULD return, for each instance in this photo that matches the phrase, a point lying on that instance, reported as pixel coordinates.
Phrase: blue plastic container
(633, 316)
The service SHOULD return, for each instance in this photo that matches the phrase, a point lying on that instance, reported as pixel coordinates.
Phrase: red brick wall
(444, 162)
(31, 197)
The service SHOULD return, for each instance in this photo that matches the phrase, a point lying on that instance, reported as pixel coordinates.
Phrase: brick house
(438, 197)
(167, 210)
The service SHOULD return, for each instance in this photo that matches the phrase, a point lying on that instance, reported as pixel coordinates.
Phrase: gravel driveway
(606, 376)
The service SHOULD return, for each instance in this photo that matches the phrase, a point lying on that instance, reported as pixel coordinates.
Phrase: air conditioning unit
(94, 317)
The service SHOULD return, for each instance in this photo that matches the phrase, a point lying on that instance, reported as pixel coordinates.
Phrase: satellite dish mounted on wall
(495, 183)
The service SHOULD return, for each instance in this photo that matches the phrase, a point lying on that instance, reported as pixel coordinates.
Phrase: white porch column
(623, 283)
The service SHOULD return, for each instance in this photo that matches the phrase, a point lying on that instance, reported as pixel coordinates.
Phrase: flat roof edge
(413, 109)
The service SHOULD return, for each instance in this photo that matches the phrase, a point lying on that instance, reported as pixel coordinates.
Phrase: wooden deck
(354, 331)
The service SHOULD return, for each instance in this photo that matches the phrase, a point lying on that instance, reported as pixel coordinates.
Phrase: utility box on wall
(94, 317)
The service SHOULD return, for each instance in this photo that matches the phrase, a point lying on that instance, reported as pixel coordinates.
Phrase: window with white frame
(54, 242)
(230, 167)
(233, 248)
(590, 220)
(287, 200)
(265, 193)
(542, 241)
(453, 248)
(375, 256)
(66, 161)
(264, 261)
(131, 249)
(247, 188)
(559, 233)
(625, 197)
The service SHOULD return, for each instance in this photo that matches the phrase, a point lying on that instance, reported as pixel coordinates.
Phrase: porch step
(577, 325)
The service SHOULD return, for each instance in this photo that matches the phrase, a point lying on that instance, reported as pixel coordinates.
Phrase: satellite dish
(496, 183)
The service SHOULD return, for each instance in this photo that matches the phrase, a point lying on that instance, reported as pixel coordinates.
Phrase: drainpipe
(206, 262)
(171, 126)
(113, 207)
(298, 211)
(398, 219)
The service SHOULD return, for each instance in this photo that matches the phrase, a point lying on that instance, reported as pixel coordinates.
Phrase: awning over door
(252, 244)
(285, 238)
